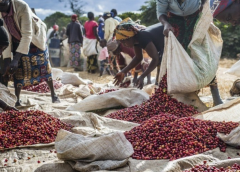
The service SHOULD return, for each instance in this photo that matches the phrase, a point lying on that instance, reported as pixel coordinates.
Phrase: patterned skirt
(183, 27)
(75, 51)
(92, 63)
(33, 69)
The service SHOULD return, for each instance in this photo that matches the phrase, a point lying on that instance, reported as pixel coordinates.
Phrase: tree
(57, 18)
(148, 15)
(133, 16)
(76, 6)
(62, 20)
(231, 39)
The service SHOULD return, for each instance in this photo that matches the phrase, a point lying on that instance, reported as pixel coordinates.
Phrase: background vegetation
(147, 15)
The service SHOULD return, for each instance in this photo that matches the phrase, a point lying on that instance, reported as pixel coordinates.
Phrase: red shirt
(89, 25)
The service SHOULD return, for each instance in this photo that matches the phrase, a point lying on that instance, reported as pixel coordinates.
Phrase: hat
(3, 35)
(107, 14)
(74, 17)
(112, 45)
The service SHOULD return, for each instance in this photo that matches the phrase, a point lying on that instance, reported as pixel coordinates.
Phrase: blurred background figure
(63, 33)
(75, 40)
(114, 15)
(55, 32)
(101, 27)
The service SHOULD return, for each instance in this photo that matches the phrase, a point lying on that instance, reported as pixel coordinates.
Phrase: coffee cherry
(160, 102)
(43, 87)
(25, 128)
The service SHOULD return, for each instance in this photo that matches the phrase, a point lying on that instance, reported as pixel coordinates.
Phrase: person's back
(110, 25)
(89, 25)
(74, 32)
(152, 34)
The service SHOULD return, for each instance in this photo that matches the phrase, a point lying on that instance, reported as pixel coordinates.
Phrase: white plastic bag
(188, 73)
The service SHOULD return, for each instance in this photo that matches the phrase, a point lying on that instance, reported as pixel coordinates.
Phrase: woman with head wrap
(75, 40)
(124, 54)
(149, 39)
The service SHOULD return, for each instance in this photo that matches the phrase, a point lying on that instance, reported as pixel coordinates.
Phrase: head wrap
(3, 35)
(217, 6)
(55, 27)
(126, 29)
(74, 17)
(112, 45)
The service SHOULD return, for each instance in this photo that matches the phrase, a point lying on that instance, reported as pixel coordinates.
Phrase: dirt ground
(225, 81)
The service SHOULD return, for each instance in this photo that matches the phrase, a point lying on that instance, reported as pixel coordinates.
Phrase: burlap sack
(125, 97)
(7, 96)
(88, 153)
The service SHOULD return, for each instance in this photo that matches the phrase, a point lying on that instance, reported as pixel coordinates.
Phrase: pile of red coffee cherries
(160, 102)
(28, 128)
(167, 136)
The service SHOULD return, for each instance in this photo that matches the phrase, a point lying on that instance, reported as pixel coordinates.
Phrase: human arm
(136, 60)
(81, 33)
(153, 53)
(25, 24)
(162, 6)
(96, 33)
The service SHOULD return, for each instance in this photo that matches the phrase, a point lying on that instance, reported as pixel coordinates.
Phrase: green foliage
(133, 16)
(231, 39)
(62, 20)
(148, 15)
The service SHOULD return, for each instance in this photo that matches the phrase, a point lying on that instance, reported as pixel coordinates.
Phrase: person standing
(55, 32)
(104, 57)
(101, 27)
(110, 26)
(75, 40)
(30, 64)
(92, 35)
(114, 15)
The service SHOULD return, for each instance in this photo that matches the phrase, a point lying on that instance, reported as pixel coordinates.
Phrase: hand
(167, 29)
(14, 64)
(119, 78)
(140, 82)
(8, 108)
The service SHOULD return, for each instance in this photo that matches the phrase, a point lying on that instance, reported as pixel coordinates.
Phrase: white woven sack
(186, 74)
(235, 69)
(124, 97)
(232, 139)
(7, 96)
(90, 47)
(71, 78)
